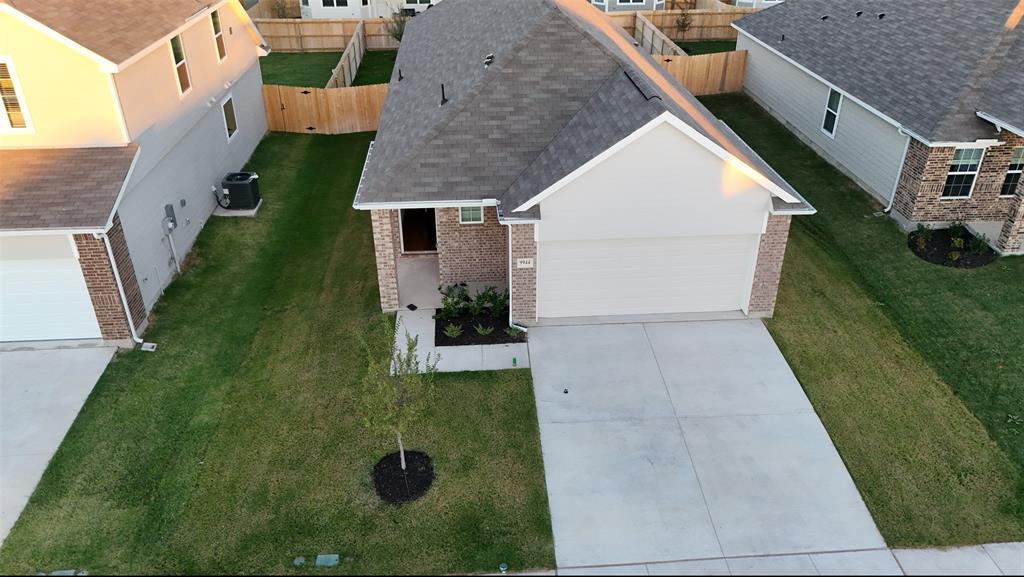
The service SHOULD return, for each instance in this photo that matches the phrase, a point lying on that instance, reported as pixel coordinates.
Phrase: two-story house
(360, 8)
(119, 121)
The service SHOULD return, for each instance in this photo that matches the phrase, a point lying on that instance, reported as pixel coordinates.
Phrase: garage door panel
(644, 276)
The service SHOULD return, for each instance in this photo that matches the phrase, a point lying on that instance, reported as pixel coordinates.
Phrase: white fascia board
(49, 231)
(104, 64)
(124, 188)
(821, 79)
(987, 143)
(424, 204)
(999, 124)
(671, 119)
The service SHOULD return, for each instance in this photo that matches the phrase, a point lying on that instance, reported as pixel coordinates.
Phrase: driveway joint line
(734, 557)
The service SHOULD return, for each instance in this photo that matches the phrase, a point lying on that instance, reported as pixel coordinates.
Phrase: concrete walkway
(41, 392)
(668, 442)
(458, 359)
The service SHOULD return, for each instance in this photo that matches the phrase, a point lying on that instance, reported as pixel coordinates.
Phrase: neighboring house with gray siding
(163, 108)
(920, 102)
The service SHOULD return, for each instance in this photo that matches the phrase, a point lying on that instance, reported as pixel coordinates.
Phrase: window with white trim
(832, 108)
(218, 35)
(631, 1)
(14, 113)
(230, 124)
(1013, 174)
(335, 3)
(963, 171)
(471, 215)
(180, 65)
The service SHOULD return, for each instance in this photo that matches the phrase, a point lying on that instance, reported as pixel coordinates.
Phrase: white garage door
(42, 291)
(644, 276)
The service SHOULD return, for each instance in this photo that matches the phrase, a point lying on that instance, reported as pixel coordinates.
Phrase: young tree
(396, 382)
(395, 26)
(683, 23)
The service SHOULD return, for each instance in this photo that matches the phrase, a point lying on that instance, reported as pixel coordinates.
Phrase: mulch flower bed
(953, 247)
(394, 485)
(479, 320)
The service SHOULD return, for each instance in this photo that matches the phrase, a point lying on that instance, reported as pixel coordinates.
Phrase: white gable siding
(865, 147)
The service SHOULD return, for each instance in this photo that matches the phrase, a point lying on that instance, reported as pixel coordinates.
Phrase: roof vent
(860, 13)
(783, 38)
(881, 15)
(444, 99)
(400, 77)
(488, 60)
(824, 18)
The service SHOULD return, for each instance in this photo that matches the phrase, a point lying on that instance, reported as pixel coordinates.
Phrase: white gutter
(511, 322)
(999, 123)
(120, 287)
(903, 164)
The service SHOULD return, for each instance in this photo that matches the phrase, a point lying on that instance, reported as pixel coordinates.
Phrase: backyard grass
(306, 69)
(376, 67)
(893, 351)
(707, 46)
(238, 445)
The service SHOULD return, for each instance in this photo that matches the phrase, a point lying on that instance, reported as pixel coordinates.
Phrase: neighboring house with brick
(530, 145)
(118, 119)
(920, 102)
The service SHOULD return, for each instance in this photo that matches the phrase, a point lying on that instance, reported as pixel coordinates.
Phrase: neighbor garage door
(42, 291)
(644, 276)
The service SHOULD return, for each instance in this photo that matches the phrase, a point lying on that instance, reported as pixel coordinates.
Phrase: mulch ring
(937, 247)
(470, 336)
(394, 485)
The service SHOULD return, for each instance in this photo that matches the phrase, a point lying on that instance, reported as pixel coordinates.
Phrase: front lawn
(238, 444)
(376, 67)
(707, 46)
(891, 349)
(305, 69)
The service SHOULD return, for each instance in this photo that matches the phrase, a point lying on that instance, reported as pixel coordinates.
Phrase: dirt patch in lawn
(394, 485)
(953, 247)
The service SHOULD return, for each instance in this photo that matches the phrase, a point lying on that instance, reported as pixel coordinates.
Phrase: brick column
(770, 255)
(1011, 240)
(99, 279)
(126, 270)
(523, 283)
(387, 247)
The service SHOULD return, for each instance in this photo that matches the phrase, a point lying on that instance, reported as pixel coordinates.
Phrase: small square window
(471, 215)
(230, 124)
(832, 107)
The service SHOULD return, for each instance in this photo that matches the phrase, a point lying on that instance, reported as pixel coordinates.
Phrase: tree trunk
(401, 449)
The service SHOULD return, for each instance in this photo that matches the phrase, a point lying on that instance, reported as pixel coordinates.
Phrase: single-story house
(920, 102)
(531, 145)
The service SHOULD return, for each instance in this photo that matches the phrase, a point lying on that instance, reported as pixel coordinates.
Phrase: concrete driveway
(677, 441)
(41, 392)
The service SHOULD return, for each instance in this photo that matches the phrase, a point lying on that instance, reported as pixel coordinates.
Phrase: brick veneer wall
(126, 270)
(1011, 240)
(770, 255)
(919, 192)
(387, 247)
(99, 279)
(471, 252)
(523, 283)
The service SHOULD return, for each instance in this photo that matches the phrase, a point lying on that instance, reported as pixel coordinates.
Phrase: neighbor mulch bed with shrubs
(954, 247)
(474, 320)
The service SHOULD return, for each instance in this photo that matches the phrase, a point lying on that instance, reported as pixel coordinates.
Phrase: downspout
(120, 287)
(903, 163)
(511, 323)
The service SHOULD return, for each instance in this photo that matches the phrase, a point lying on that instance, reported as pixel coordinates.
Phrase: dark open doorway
(419, 231)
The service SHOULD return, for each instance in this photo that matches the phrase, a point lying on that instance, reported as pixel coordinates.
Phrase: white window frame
(1019, 172)
(837, 112)
(174, 65)
(234, 113)
(462, 218)
(5, 123)
(975, 172)
(217, 35)
(629, 2)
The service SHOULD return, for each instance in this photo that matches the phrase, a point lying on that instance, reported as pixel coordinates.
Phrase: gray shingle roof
(65, 188)
(566, 84)
(927, 64)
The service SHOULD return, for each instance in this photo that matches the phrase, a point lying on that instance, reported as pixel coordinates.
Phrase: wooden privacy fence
(324, 110)
(708, 24)
(708, 73)
(345, 72)
(323, 35)
(652, 40)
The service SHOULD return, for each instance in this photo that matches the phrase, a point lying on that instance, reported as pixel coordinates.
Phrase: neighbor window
(14, 115)
(335, 3)
(471, 215)
(218, 35)
(631, 1)
(1013, 175)
(835, 102)
(180, 65)
(962, 172)
(230, 124)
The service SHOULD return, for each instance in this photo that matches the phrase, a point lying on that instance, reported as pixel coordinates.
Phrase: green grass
(893, 351)
(376, 67)
(707, 46)
(306, 69)
(238, 445)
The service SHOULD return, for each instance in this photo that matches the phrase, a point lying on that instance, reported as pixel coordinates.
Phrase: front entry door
(419, 230)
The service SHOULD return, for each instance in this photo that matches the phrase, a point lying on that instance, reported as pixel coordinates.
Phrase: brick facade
(387, 248)
(471, 252)
(126, 270)
(919, 192)
(99, 279)
(523, 285)
(770, 255)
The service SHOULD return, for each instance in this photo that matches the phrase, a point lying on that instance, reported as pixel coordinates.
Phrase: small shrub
(954, 256)
(957, 242)
(979, 244)
(513, 332)
(482, 330)
(958, 230)
(453, 331)
(500, 307)
(921, 242)
(924, 232)
(453, 301)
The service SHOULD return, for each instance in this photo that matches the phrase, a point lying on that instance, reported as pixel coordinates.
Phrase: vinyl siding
(865, 147)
